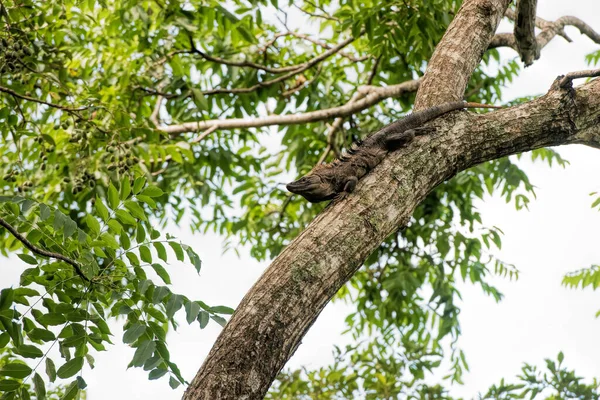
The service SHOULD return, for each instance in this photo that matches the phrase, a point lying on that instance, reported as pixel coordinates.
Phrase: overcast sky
(537, 319)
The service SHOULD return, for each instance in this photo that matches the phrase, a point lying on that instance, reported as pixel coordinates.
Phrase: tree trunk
(271, 320)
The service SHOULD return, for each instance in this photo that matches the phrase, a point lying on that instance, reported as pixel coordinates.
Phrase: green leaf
(50, 369)
(125, 188)
(101, 209)
(41, 334)
(93, 224)
(152, 191)
(138, 184)
(6, 298)
(81, 383)
(203, 318)
(39, 387)
(162, 273)
(174, 303)
(140, 234)
(125, 218)
(160, 292)
(136, 210)
(194, 258)
(4, 339)
(59, 221)
(220, 320)
(15, 370)
(156, 373)
(133, 333)
(29, 351)
(52, 319)
(145, 254)
(191, 311)
(221, 310)
(70, 368)
(143, 352)
(199, 99)
(71, 392)
(9, 385)
(45, 212)
(161, 251)
(113, 196)
(178, 250)
(147, 200)
(28, 259)
(174, 383)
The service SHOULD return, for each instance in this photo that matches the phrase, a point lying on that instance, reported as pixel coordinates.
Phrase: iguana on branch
(336, 180)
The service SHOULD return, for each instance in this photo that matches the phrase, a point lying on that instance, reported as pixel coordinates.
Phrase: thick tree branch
(524, 31)
(273, 317)
(42, 252)
(459, 52)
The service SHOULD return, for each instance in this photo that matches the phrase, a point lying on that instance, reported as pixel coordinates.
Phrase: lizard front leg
(349, 187)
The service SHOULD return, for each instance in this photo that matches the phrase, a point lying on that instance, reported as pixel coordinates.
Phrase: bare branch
(42, 252)
(205, 134)
(33, 99)
(549, 31)
(301, 68)
(566, 80)
(154, 117)
(539, 22)
(249, 64)
(524, 31)
(372, 95)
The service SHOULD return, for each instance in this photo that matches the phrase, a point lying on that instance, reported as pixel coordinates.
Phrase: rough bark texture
(459, 52)
(271, 320)
(525, 31)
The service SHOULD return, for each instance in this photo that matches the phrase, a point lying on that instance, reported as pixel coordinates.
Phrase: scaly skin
(336, 180)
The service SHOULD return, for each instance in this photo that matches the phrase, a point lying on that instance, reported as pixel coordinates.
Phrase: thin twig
(42, 252)
(588, 73)
(205, 134)
(301, 68)
(155, 113)
(29, 98)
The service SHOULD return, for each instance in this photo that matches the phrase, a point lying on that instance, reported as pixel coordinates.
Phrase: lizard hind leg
(398, 140)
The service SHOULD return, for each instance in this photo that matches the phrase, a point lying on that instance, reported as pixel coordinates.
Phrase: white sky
(537, 319)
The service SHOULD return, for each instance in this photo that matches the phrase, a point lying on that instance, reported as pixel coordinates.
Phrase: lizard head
(314, 187)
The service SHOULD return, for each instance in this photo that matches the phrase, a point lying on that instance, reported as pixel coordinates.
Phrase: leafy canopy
(90, 176)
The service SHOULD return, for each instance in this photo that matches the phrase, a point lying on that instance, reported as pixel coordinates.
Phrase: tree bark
(271, 320)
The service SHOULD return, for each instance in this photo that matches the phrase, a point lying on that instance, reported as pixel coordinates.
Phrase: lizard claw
(339, 197)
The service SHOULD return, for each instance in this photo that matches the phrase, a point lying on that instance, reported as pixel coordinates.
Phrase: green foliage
(367, 374)
(90, 182)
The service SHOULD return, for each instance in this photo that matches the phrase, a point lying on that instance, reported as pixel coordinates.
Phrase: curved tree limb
(373, 96)
(271, 320)
(549, 31)
(42, 252)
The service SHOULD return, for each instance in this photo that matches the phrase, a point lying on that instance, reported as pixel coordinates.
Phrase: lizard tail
(479, 105)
